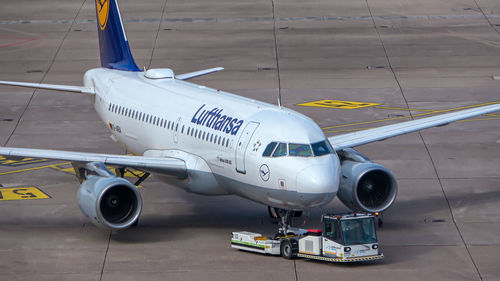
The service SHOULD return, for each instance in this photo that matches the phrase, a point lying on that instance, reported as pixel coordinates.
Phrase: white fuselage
(220, 136)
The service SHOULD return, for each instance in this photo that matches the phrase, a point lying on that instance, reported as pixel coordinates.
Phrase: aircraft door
(242, 145)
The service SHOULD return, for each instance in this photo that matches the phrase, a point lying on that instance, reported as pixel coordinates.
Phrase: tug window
(269, 149)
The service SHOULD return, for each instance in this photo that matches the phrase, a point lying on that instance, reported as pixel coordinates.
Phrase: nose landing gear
(284, 217)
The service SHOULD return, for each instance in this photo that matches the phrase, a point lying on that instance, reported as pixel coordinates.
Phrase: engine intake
(364, 185)
(110, 202)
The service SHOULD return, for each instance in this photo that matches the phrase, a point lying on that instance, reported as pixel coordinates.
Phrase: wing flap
(167, 165)
(65, 88)
(376, 134)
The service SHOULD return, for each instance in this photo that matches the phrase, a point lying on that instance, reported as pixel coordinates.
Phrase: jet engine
(364, 185)
(109, 202)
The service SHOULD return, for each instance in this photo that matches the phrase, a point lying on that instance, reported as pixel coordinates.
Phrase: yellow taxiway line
(34, 168)
(326, 129)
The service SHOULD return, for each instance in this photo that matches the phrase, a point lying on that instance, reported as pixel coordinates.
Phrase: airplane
(212, 142)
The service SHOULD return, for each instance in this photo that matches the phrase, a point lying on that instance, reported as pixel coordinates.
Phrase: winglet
(113, 43)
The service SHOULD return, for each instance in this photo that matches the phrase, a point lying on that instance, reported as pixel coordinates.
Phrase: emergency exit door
(242, 145)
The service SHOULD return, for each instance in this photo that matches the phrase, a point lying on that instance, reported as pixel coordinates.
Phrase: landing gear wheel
(286, 249)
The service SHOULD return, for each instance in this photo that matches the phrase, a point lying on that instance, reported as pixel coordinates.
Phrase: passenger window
(280, 150)
(302, 150)
(269, 149)
(182, 130)
(176, 127)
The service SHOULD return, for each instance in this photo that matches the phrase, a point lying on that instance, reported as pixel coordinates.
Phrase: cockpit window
(302, 150)
(321, 148)
(269, 149)
(280, 150)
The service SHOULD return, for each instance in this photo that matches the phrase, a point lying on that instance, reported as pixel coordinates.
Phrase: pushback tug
(344, 238)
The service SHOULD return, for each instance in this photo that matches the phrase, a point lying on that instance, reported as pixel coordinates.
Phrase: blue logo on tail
(115, 50)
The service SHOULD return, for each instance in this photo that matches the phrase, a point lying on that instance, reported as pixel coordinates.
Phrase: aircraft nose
(319, 179)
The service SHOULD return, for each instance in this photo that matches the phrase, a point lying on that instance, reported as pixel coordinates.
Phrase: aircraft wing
(65, 88)
(381, 133)
(168, 165)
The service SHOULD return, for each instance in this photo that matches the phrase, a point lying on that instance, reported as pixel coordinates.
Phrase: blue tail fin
(115, 50)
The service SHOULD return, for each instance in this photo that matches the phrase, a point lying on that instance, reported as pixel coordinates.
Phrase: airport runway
(388, 56)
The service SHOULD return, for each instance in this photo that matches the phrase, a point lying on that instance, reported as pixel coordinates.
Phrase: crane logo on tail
(102, 12)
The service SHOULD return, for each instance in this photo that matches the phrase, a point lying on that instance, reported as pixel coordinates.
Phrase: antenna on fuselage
(279, 100)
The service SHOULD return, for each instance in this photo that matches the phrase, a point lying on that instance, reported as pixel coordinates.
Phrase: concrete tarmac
(422, 55)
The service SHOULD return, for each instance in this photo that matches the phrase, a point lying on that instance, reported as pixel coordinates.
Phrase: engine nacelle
(364, 185)
(110, 202)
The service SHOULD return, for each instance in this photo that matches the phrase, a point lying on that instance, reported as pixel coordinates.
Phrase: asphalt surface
(423, 55)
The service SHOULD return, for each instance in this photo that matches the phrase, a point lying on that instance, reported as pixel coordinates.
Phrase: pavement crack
(105, 255)
(157, 33)
(45, 74)
(486, 17)
(276, 54)
(422, 138)
(295, 269)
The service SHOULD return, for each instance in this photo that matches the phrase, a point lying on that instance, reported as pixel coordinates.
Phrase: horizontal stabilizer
(65, 88)
(190, 75)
